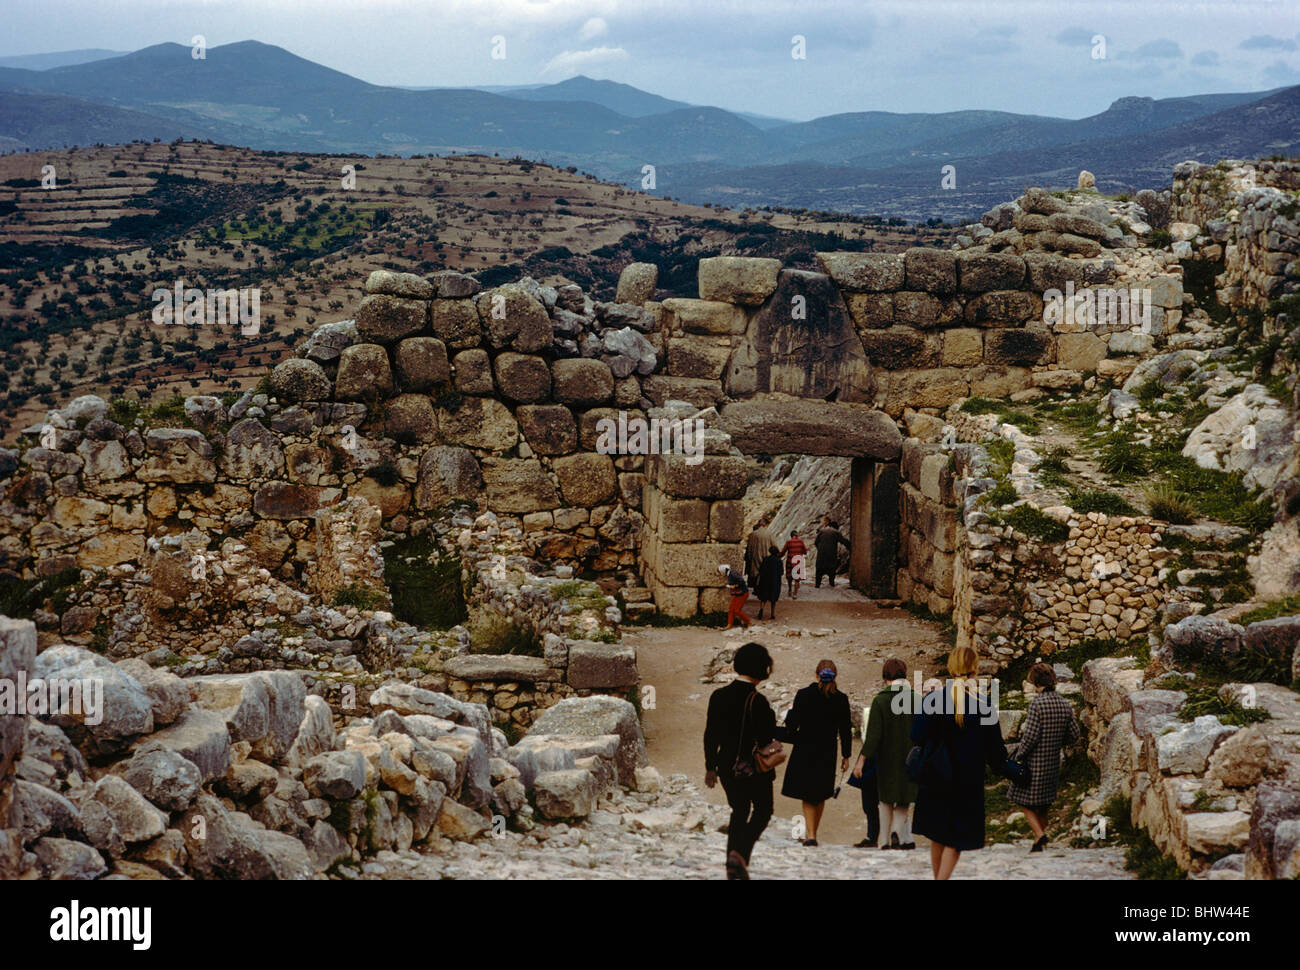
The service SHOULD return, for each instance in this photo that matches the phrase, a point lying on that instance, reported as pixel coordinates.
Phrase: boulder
(582, 383)
(512, 318)
(479, 422)
(406, 285)
(1186, 749)
(296, 379)
(164, 777)
(200, 737)
(336, 775)
(601, 665)
(864, 272)
(595, 716)
(17, 658)
(60, 859)
(519, 485)
(127, 710)
(549, 429)
(135, 818)
(456, 323)
(523, 378)
(636, 283)
(565, 794)
(586, 479)
(452, 285)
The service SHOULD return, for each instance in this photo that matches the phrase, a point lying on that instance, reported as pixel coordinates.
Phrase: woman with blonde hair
(819, 715)
(957, 734)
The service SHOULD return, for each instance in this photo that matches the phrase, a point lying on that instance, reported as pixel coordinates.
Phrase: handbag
(761, 760)
(930, 766)
(1016, 771)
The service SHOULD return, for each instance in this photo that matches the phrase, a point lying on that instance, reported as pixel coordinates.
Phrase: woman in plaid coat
(1049, 727)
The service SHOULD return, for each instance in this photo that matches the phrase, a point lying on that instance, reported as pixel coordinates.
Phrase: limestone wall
(1248, 211)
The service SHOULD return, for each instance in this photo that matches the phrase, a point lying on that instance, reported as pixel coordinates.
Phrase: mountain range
(872, 162)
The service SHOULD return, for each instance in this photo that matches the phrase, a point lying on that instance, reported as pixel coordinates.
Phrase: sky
(1067, 59)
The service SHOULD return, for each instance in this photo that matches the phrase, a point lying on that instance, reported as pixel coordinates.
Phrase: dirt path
(839, 625)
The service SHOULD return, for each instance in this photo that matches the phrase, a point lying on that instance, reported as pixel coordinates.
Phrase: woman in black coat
(740, 720)
(820, 714)
(964, 723)
(769, 582)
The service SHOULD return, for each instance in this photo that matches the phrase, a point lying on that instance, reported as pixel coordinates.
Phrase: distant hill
(43, 62)
(623, 98)
(876, 162)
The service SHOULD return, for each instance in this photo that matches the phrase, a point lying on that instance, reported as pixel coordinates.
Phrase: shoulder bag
(760, 760)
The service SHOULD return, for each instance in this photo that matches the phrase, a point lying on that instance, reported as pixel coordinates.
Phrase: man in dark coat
(828, 544)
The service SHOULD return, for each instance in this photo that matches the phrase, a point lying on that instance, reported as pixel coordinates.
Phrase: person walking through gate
(952, 816)
(760, 540)
(886, 742)
(769, 583)
(1049, 727)
(828, 543)
(795, 553)
(739, 594)
(739, 721)
(820, 715)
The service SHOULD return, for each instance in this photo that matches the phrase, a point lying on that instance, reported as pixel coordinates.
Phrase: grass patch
(492, 633)
(1100, 500)
(1122, 457)
(1289, 606)
(1032, 522)
(1001, 454)
(1023, 420)
(1205, 699)
(1003, 493)
(359, 596)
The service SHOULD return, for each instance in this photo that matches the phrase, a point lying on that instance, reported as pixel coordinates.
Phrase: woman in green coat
(886, 742)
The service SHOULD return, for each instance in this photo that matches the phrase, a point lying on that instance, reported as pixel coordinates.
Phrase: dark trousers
(751, 809)
(830, 574)
(870, 801)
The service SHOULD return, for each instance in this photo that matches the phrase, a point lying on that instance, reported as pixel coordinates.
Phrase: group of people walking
(766, 563)
(930, 755)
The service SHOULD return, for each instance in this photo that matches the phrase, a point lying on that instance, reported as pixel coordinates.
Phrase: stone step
(639, 611)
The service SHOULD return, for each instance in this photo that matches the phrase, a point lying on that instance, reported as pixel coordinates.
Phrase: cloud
(1266, 42)
(1206, 59)
(579, 62)
(593, 28)
(1159, 48)
(1075, 35)
(1280, 74)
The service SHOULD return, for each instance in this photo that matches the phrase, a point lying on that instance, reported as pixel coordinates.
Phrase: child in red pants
(739, 594)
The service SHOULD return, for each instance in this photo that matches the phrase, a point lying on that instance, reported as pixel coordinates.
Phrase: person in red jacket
(795, 553)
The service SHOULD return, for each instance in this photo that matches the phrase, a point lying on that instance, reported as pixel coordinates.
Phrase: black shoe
(865, 844)
(810, 842)
(1040, 845)
(908, 845)
(736, 868)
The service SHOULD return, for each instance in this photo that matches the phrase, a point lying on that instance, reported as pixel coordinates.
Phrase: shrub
(492, 633)
(1003, 493)
(359, 596)
(1170, 505)
(1034, 523)
(1122, 457)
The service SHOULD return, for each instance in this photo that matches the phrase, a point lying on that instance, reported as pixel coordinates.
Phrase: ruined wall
(1249, 214)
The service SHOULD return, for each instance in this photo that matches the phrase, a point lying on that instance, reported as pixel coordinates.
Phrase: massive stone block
(479, 422)
(512, 318)
(384, 319)
(712, 477)
(802, 342)
(900, 348)
(456, 322)
(549, 429)
(864, 272)
(522, 377)
(981, 272)
(1004, 308)
(364, 373)
(411, 415)
(694, 563)
(778, 427)
(296, 379)
(180, 455)
(280, 500)
(421, 363)
(518, 485)
(406, 285)
(601, 665)
(1018, 348)
(445, 474)
(705, 316)
(586, 479)
(252, 451)
(636, 284)
(660, 388)
(582, 383)
(698, 356)
(738, 279)
(930, 271)
(924, 311)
